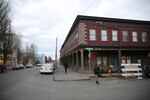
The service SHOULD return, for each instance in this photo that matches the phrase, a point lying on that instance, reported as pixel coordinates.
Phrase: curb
(59, 80)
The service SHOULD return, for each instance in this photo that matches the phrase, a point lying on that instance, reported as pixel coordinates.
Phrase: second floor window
(103, 35)
(134, 37)
(114, 35)
(125, 36)
(92, 34)
(144, 37)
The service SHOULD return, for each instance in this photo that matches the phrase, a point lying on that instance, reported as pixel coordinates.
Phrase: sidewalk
(60, 75)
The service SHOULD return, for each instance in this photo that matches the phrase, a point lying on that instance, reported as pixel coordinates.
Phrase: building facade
(106, 42)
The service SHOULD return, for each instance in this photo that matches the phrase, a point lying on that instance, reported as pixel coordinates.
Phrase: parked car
(29, 66)
(47, 68)
(39, 64)
(18, 66)
(21, 66)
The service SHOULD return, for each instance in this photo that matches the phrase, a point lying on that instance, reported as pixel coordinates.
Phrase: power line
(88, 6)
(109, 7)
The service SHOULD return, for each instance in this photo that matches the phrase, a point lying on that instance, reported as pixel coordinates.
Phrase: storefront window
(99, 61)
(128, 60)
(123, 60)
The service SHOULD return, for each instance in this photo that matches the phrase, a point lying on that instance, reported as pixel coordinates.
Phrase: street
(29, 84)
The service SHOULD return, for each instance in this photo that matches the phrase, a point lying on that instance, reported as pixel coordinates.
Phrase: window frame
(125, 38)
(115, 36)
(144, 38)
(134, 37)
(104, 36)
(92, 36)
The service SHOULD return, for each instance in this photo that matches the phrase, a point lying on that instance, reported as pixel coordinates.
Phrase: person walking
(66, 67)
(2, 68)
(96, 72)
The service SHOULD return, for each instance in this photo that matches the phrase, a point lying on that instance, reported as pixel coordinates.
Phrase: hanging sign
(89, 49)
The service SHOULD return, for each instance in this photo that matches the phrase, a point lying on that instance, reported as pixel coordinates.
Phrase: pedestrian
(96, 72)
(66, 67)
(2, 68)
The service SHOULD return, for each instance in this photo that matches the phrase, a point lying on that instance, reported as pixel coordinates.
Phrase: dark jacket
(96, 70)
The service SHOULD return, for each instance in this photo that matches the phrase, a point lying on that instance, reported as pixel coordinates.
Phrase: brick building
(107, 42)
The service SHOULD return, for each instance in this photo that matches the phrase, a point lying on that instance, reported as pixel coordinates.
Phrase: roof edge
(84, 17)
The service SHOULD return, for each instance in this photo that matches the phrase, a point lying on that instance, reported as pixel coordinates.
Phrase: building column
(77, 63)
(89, 60)
(82, 60)
(119, 59)
(70, 60)
(73, 61)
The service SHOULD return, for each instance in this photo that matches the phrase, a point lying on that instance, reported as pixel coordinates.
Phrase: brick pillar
(77, 63)
(89, 56)
(119, 59)
(82, 60)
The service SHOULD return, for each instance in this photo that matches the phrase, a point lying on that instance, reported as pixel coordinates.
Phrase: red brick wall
(120, 27)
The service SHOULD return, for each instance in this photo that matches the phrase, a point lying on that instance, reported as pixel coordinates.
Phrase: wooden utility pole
(56, 55)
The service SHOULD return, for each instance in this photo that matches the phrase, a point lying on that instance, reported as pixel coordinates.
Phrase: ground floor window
(106, 62)
(126, 59)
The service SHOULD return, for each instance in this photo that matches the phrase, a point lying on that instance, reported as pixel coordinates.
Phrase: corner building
(106, 42)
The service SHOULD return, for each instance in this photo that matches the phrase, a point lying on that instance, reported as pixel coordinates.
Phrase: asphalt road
(12, 78)
(29, 84)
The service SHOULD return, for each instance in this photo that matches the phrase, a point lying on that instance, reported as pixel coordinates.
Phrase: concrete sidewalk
(60, 75)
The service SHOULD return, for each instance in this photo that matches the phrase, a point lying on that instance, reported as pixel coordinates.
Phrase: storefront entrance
(105, 59)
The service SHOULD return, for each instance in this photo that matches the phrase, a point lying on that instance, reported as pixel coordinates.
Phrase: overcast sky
(41, 21)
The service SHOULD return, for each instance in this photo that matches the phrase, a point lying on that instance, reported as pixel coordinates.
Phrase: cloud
(41, 21)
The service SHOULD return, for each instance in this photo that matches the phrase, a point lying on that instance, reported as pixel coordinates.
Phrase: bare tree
(5, 29)
(19, 48)
(50, 59)
(30, 53)
(4, 19)
(27, 55)
(6, 47)
(46, 59)
(33, 52)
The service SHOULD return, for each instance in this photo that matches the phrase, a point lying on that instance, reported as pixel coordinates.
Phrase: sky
(42, 21)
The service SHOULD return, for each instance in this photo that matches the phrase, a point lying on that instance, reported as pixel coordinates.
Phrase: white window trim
(104, 37)
(92, 34)
(125, 37)
(144, 37)
(114, 37)
(134, 37)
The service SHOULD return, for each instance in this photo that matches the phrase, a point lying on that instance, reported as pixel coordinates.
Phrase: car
(18, 66)
(47, 68)
(29, 66)
(39, 64)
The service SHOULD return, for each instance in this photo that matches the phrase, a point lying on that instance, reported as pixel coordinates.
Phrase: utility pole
(56, 55)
